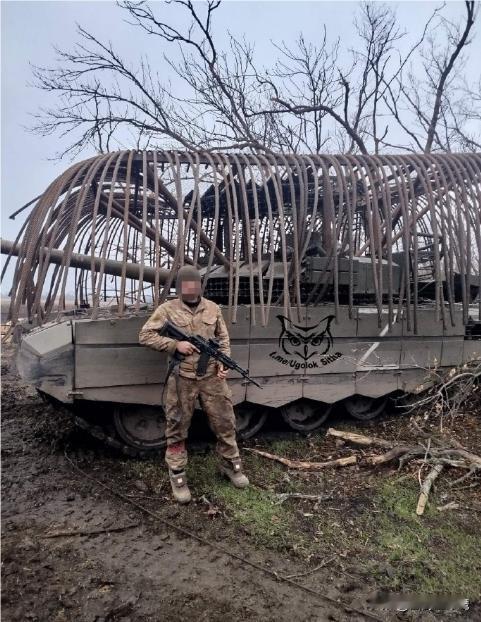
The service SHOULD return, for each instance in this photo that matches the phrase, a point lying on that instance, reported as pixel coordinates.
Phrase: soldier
(195, 315)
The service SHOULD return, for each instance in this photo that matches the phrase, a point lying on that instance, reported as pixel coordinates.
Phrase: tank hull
(308, 356)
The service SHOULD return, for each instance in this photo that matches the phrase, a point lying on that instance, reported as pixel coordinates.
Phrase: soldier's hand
(221, 372)
(185, 347)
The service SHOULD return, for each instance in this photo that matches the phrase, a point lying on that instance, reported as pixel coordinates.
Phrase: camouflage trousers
(179, 402)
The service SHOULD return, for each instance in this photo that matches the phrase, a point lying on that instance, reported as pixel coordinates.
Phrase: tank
(343, 280)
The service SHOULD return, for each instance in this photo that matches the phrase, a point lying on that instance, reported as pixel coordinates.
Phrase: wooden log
(305, 466)
(394, 453)
(426, 487)
(452, 505)
(359, 439)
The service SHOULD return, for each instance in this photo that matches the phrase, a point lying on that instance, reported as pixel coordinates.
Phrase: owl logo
(304, 341)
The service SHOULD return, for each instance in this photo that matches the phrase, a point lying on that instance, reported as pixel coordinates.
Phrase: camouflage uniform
(184, 387)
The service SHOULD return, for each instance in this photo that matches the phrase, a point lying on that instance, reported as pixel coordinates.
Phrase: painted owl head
(305, 341)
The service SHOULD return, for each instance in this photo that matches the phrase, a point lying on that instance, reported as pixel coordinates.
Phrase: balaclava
(191, 274)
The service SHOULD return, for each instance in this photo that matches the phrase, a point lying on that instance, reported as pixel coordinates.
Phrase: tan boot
(181, 491)
(233, 470)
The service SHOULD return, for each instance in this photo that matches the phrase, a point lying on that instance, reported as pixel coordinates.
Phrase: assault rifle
(208, 348)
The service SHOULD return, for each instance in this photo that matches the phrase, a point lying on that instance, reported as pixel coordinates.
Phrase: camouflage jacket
(205, 320)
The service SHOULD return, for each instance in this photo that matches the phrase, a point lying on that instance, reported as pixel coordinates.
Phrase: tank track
(107, 435)
(102, 434)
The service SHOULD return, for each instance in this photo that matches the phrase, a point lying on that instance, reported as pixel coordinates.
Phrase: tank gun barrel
(87, 262)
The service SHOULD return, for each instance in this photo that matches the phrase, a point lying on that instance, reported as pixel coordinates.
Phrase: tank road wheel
(305, 415)
(141, 427)
(249, 419)
(365, 408)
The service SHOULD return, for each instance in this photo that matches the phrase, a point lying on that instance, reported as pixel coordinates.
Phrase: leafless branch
(311, 98)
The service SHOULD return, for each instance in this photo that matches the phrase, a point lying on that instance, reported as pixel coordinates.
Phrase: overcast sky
(31, 29)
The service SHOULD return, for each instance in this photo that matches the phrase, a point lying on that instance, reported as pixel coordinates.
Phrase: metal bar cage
(266, 230)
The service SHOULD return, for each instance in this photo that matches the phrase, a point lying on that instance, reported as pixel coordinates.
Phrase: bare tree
(462, 119)
(435, 118)
(307, 100)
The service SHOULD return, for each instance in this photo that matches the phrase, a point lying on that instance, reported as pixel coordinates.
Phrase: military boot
(233, 470)
(181, 491)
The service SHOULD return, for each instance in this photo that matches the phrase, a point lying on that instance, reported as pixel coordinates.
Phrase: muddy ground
(360, 538)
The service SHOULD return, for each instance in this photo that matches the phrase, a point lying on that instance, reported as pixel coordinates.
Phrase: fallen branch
(452, 441)
(457, 464)
(426, 487)
(359, 439)
(452, 505)
(443, 439)
(305, 466)
(439, 454)
(450, 393)
(462, 453)
(283, 496)
(394, 453)
(458, 458)
(464, 477)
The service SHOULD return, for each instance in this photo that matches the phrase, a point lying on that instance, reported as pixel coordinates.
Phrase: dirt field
(362, 536)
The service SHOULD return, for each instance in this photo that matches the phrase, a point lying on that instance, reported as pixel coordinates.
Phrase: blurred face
(190, 291)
